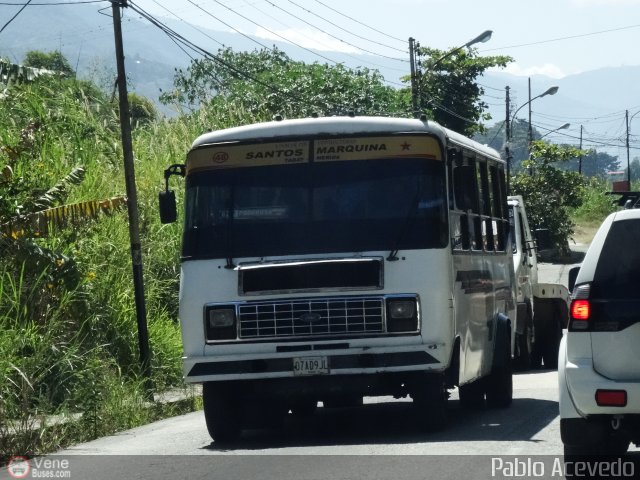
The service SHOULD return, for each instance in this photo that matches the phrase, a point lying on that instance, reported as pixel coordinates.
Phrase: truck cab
(542, 308)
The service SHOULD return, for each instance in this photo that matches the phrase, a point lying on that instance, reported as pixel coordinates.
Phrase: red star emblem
(405, 146)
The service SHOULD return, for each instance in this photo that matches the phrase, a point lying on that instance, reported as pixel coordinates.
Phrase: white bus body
(335, 258)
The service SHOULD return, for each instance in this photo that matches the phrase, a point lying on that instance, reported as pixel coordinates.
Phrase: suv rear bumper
(579, 383)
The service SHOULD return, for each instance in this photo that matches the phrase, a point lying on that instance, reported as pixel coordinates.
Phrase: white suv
(599, 359)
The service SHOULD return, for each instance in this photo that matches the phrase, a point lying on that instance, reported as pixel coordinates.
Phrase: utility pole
(414, 79)
(580, 159)
(530, 134)
(132, 198)
(507, 147)
(626, 119)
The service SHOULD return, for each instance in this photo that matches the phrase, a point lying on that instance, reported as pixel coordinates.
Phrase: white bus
(331, 259)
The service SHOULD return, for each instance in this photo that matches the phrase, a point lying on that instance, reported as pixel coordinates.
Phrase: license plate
(310, 366)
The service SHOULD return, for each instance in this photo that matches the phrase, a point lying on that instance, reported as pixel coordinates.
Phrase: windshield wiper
(229, 246)
(409, 217)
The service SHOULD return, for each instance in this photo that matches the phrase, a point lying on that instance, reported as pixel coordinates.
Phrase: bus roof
(338, 126)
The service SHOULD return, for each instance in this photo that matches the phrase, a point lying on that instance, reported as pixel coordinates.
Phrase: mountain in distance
(85, 36)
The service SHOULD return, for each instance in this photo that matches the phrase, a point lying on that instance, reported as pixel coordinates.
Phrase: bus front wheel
(430, 405)
(222, 413)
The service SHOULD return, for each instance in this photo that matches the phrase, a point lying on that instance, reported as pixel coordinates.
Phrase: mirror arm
(175, 169)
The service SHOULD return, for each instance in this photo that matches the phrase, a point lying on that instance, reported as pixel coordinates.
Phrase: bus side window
(464, 188)
(487, 207)
(474, 190)
(460, 231)
(464, 192)
(498, 199)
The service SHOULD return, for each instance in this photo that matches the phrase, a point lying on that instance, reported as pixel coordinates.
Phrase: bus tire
(472, 395)
(551, 347)
(499, 383)
(430, 404)
(524, 347)
(222, 413)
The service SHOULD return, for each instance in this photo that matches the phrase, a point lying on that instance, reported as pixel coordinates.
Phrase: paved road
(375, 441)
(383, 426)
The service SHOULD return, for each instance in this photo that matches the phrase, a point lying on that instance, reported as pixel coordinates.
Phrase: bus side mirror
(168, 209)
(573, 274)
(543, 239)
(167, 199)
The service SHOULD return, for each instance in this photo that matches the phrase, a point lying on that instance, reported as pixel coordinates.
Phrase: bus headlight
(220, 322)
(402, 315)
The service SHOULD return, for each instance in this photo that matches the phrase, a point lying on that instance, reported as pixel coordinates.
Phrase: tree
(267, 82)
(550, 191)
(635, 170)
(448, 91)
(142, 110)
(54, 61)
(594, 164)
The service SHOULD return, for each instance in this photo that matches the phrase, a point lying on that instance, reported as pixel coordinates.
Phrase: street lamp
(509, 123)
(549, 91)
(482, 38)
(415, 93)
(566, 125)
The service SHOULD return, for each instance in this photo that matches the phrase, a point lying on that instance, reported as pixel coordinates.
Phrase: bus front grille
(312, 317)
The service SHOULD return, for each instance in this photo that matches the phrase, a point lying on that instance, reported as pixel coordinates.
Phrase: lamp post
(509, 127)
(415, 88)
(566, 125)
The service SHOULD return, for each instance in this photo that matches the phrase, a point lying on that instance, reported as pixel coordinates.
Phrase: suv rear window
(617, 274)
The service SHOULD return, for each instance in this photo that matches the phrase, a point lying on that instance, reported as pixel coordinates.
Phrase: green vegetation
(54, 61)
(549, 191)
(448, 89)
(68, 344)
(558, 198)
(266, 83)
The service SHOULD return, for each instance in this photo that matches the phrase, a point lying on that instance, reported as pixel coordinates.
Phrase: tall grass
(73, 353)
(595, 203)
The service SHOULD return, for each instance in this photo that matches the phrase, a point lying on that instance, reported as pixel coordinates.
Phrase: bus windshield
(351, 206)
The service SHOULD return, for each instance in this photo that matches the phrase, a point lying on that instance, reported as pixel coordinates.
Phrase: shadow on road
(392, 423)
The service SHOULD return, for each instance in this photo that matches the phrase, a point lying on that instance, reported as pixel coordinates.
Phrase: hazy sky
(555, 38)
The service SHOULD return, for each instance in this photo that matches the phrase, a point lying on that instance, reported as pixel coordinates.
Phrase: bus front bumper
(222, 368)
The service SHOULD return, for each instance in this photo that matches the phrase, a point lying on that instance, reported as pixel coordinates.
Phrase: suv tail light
(580, 311)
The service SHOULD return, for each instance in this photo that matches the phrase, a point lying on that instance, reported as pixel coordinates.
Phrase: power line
(569, 37)
(359, 22)
(347, 31)
(272, 32)
(226, 24)
(51, 3)
(187, 23)
(14, 17)
(315, 40)
(340, 39)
